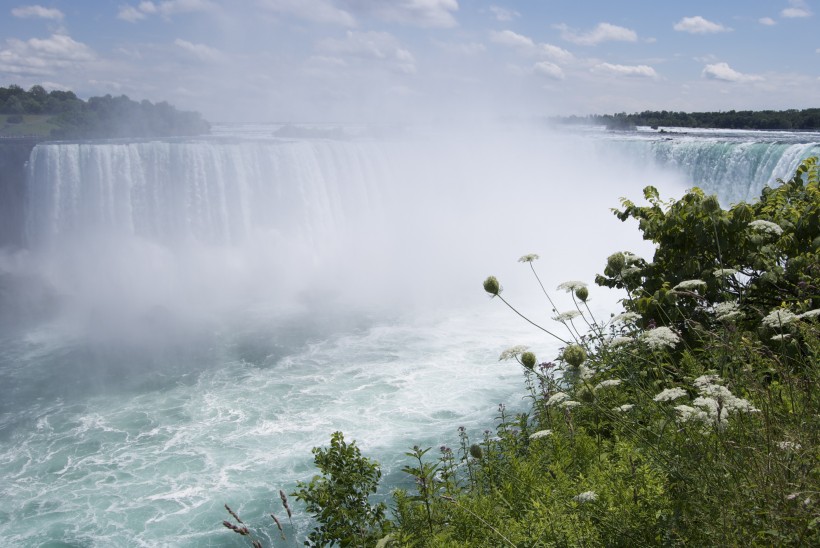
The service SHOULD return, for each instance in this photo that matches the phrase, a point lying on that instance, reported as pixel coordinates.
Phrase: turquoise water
(151, 464)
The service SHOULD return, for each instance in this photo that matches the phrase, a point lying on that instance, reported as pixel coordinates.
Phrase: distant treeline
(99, 117)
(733, 119)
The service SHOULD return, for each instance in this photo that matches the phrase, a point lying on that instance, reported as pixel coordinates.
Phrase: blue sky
(404, 60)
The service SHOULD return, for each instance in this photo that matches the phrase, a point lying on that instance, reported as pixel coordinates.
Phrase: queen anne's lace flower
(586, 496)
(557, 398)
(607, 383)
(687, 413)
(540, 434)
(660, 337)
(572, 285)
(528, 258)
(766, 227)
(670, 394)
(570, 404)
(727, 310)
(512, 352)
(789, 446)
(778, 318)
(715, 402)
(569, 315)
(626, 317)
(690, 285)
(624, 408)
(782, 337)
(620, 341)
(706, 380)
(810, 314)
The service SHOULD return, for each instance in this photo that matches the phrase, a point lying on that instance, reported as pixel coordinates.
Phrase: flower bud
(574, 355)
(475, 451)
(711, 204)
(616, 262)
(492, 286)
(528, 360)
(582, 293)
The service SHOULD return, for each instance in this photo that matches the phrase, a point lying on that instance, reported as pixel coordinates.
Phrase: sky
(395, 61)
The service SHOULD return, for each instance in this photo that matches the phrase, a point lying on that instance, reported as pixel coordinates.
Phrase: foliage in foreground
(690, 419)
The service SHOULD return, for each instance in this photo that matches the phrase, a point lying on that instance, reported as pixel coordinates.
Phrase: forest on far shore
(806, 119)
(62, 115)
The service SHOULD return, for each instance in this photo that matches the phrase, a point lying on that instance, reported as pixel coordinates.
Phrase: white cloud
(148, 7)
(798, 9)
(170, 7)
(504, 14)
(555, 53)
(37, 12)
(528, 46)
(699, 25)
(130, 14)
(725, 73)
(319, 11)
(550, 70)
(604, 32)
(200, 51)
(372, 46)
(512, 39)
(43, 56)
(768, 21)
(421, 13)
(167, 8)
(636, 71)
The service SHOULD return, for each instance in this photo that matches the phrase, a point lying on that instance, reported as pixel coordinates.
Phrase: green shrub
(339, 499)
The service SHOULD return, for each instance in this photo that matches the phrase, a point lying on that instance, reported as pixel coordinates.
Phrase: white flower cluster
(789, 446)
(714, 404)
(558, 397)
(670, 394)
(727, 310)
(620, 341)
(660, 337)
(706, 380)
(626, 317)
(687, 413)
(570, 404)
(810, 314)
(569, 315)
(690, 285)
(512, 352)
(586, 496)
(779, 317)
(540, 434)
(766, 227)
(625, 408)
(607, 383)
(530, 257)
(571, 286)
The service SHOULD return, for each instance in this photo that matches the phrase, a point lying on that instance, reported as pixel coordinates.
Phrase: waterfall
(215, 193)
(736, 169)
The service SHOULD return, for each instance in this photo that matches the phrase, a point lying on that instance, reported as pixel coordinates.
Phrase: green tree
(760, 255)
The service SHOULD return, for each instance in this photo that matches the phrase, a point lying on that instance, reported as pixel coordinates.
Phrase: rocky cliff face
(14, 153)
